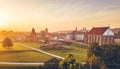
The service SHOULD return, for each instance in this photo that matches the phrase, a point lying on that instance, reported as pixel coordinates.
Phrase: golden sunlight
(2, 23)
(3, 19)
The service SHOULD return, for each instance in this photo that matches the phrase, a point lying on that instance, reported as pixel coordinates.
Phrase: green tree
(111, 56)
(104, 57)
(94, 49)
(69, 63)
(7, 43)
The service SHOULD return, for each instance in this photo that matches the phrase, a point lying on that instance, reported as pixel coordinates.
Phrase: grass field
(79, 51)
(21, 54)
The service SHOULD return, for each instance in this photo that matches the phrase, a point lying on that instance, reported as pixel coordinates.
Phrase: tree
(69, 63)
(52, 64)
(105, 57)
(94, 49)
(111, 56)
(7, 43)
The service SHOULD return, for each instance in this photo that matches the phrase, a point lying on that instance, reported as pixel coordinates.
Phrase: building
(33, 35)
(117, 35)
(117, 38)
(45, 33)
(100, 35)
(79, 36)
(76, 35)
(69, 36)
(116, 30)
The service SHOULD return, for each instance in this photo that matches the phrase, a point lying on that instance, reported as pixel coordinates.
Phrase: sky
(58, 15)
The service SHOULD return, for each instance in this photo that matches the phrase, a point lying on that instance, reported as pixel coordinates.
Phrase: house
(76, 35)
(100, 35)
(116, 30)
(69, 36)
(117, 38)
(79, 36)
(117, 35)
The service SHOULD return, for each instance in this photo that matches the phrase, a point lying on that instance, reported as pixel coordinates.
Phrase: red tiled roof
(98, 30)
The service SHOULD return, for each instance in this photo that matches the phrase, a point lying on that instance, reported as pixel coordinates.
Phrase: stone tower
(33, 35)
(76, 29)
(46, 30)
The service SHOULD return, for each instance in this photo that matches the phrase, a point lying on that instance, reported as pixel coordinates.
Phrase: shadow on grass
(79, 46)
(14, 51)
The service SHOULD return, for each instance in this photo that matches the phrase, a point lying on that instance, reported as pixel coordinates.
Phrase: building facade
(100, 35)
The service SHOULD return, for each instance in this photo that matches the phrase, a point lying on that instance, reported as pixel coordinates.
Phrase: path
(38, 50)
(20, 63)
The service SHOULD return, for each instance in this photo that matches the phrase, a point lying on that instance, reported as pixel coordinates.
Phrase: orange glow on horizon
(20, 15)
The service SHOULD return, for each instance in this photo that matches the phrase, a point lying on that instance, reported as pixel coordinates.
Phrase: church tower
(33, 35)
(76, 28)
(46, 30)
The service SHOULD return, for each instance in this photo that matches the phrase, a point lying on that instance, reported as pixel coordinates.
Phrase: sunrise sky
(57, 15)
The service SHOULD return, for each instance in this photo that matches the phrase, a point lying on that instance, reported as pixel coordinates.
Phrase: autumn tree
(7, 43)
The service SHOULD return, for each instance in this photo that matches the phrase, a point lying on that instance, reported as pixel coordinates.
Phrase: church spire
(46, 29)
(33, 35)
(33, 32)
(76, 28)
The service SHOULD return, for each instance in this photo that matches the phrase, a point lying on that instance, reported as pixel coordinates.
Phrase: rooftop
(98, 30)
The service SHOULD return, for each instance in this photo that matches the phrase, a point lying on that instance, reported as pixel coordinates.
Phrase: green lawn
(21, 54)
(79, 51)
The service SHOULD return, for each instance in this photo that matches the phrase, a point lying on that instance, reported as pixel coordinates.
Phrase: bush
(52, 64)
